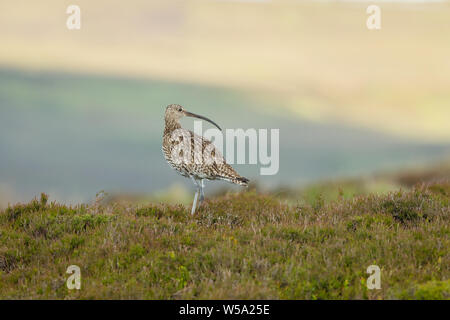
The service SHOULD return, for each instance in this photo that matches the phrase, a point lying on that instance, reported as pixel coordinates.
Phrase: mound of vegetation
(244, 246)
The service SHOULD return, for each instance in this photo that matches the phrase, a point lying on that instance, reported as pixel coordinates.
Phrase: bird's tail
(227, 173)
(241, 181)
(236, 180)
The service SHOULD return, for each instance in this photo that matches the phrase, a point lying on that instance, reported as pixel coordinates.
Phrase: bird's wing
(194, 155)
(213, 165)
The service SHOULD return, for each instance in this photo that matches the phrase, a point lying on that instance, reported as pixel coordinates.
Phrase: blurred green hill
(86, 106)
(73, 135)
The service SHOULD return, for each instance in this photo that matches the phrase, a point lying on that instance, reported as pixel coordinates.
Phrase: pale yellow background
(317, 58)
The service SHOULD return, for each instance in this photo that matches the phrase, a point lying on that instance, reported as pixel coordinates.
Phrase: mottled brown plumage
(194, 156)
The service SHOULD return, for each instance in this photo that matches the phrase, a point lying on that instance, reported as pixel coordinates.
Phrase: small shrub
(17, 210)
(149, 212)
(431, 290)
(8, 262)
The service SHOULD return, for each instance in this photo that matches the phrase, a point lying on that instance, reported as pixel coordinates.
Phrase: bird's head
(176, 112)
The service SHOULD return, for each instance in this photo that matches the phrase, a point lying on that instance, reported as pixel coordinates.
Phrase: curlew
(193, 156)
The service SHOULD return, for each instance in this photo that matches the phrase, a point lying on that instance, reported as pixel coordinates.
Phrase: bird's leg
(194, 204)
(202, 194)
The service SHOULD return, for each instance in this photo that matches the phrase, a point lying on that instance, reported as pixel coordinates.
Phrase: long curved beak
(190, 114)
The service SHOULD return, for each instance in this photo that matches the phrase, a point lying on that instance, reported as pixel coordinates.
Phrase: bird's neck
(171, 125)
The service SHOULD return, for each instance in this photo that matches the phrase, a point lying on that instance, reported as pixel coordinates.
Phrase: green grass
(244, 246)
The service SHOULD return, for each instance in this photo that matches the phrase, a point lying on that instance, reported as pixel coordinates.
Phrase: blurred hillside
(81, 111)
(74, 135)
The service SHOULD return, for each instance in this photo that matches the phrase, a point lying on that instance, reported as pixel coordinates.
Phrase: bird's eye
(180, 109)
